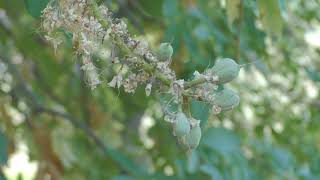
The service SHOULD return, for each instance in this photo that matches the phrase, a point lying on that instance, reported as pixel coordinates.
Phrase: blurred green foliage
(273, 134)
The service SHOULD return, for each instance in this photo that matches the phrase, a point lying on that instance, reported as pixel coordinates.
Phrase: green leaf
(222, 140)
(262, 67)
(3, 149)
(35, 7)
(173, 34)
(202, 32)
(211, 171)
(170, 8)
(283, 8)
(193, 162)
(281, 158)
(199, 110)
(167, 103)
(122, 177)
(313, 74)
(2, 176)
(232, 8)
(270, 16)
(127, 163)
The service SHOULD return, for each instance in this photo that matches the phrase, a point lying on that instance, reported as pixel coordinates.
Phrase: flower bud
(165, 52)
(226, 99)
(192, 139)
(226, 69)
(182, 125)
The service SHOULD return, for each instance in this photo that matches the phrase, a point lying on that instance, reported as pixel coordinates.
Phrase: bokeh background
(52, 126)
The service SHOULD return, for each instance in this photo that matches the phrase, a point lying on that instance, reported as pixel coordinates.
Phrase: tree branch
(238, 37)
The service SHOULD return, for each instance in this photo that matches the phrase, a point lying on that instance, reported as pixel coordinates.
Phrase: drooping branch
(89, 23)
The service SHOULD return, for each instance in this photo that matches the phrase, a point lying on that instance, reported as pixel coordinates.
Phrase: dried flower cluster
(94, 30)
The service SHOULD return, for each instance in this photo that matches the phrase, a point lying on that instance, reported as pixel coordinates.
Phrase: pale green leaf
(221, 140)
(170, 8)
(3, 149)
(270, 16)
(232, 9)
(193, 162)
(211, 171)
(199, 110)
(35, 7)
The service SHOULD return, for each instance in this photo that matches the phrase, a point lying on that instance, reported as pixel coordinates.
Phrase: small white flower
(56, 41)
(141, 48)
(116, 81)
(148, 89)
(169, 118)
(93, 79)
(176, 89)
(149, 56)
(194, 122)
(216, 109)
(113, 82)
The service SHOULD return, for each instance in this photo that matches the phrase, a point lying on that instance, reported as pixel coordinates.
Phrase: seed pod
(226, 99)
(165, 52)
(192, 139)
(226, 69)
(182, 125)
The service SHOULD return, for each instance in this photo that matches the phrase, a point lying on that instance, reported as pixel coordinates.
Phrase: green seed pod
(182, 125)
(192, 139)
(226, 99)
(165, 52)
(226, 69)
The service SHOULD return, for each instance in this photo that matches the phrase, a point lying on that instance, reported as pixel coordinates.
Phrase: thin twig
(238, 36)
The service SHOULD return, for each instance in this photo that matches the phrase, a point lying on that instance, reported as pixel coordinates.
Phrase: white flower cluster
(163, 67)
(90, 72)
(72, 16)
(75, 16)
(116, 81)
(131, 83)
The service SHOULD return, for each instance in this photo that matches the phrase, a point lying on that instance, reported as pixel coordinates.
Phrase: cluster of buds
(225, 70)
(90, 25)
(187, 130)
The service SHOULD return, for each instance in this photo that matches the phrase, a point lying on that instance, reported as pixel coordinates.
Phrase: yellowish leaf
(233, 11)
(270, 16)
